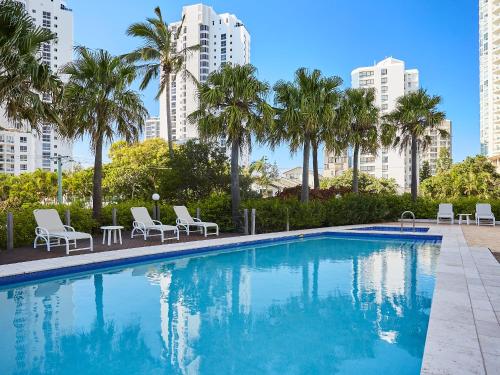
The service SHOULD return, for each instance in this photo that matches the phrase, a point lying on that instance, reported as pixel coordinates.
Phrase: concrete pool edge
(463, 336)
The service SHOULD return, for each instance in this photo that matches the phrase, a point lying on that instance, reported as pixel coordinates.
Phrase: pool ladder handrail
(402, 219)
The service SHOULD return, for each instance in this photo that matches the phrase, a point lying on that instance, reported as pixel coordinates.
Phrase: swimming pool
(383, 228)
(326, 304)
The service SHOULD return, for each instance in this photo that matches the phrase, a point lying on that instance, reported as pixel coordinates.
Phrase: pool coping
(463, 336)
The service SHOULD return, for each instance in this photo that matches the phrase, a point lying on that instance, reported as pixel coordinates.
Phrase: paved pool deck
(464, 330)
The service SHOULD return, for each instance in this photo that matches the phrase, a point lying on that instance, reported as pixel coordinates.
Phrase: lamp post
(59, 159)
(156, 198)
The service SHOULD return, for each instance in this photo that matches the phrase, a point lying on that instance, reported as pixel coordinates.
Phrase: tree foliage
(263, 172)
(367, 183)
(24, 80)
(425, 171)
(474, 177)
(444, 161)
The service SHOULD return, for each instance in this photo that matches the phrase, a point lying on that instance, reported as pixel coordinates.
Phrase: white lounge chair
(484, 215)
(184, 220)
(51, 230)
(143, 225)
(446, 212)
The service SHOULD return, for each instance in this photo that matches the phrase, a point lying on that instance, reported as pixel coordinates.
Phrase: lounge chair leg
(91, 244)
(67, 246)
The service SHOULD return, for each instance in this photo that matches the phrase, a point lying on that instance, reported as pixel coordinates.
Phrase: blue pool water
(319, 305)
(382, 228)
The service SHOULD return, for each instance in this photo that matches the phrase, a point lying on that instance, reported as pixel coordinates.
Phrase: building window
(23, 148)
(384, 107)
(383, 72)
(384, 89)
(23, 139)
(23, 157)
(383, 80)
(367, 73)
(23, 167)
(385, 98)
(367, 168)
(222, 36)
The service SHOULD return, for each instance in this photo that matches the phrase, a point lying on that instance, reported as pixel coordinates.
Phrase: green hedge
(271, 213)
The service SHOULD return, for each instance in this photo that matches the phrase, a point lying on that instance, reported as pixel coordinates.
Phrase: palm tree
(98, 101)
(304, 107)
(160, 57)
(28, 88)
(330, 128)
(359, 113)
(232, 108)
(415, 115)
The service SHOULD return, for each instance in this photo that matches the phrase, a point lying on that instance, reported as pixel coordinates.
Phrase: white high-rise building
(21, 150)
(489, 78)
(222, 39)
(391, 80)
(152, 128)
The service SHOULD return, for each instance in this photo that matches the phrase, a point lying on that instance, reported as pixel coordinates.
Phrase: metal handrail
(402, 219)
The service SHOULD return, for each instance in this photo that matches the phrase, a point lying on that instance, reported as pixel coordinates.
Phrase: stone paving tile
(452, 360)
(490, 344)
(488, 328)
(485, 315)
(465, 334)
(492, 363)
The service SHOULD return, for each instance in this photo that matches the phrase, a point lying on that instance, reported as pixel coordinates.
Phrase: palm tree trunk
(169, 117)
(315, 164)
(304, 196)
(97, 180)
(99, 306)
(414, 168)
(355, 173)
(235, 183)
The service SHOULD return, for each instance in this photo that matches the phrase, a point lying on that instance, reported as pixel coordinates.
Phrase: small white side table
(462, 216)
(112, 230)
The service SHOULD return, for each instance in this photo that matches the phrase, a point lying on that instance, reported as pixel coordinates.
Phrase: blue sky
(437, 37)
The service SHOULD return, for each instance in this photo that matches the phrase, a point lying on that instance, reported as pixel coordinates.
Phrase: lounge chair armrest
(180, 222)
(138, 224)
(157, 222)
(197, 220)
(41, 231)
(69, 228)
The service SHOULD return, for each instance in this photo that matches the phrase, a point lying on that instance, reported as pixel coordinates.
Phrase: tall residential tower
(222, 39)
(391, 80)
(489, 78)
(21, 150)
